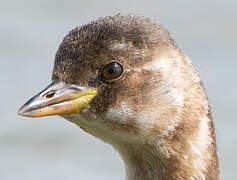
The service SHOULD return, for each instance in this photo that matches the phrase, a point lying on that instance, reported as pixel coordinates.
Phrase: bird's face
(113, 87)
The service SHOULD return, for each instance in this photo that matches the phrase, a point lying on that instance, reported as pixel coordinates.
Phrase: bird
(124, 80)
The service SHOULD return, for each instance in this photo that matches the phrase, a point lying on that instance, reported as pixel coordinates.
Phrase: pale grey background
(52, 148)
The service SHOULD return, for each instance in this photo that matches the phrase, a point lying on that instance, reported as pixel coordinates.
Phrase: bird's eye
(112, 72)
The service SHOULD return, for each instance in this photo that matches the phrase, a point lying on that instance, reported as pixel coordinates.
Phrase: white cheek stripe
(199, 147)
(120, 46)
(158, 64)
(122, 114)
(155, 65)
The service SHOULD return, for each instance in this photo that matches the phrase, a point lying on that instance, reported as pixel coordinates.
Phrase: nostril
(50, 94)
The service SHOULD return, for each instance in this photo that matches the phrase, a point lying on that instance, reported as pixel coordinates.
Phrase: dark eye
(112, 71)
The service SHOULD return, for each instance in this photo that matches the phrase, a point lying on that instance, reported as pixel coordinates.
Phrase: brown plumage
(156, 113)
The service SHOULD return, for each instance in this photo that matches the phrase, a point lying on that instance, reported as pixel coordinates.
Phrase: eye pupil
(112, 72)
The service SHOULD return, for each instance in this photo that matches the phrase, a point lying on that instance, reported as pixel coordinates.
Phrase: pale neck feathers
(170, 136)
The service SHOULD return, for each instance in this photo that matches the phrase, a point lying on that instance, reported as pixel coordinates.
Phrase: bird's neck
(192, 156)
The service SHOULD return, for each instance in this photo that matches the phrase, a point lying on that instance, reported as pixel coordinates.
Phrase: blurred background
(52, 148)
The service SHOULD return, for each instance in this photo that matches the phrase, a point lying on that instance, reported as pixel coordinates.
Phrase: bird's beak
(57, 99)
